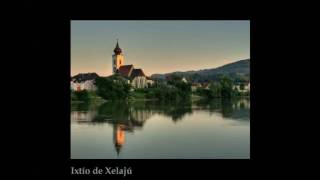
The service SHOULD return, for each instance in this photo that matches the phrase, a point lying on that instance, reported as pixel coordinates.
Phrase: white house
(150, 82)
(84, 85)
(184, 80)
(244, 88)
(83, 82)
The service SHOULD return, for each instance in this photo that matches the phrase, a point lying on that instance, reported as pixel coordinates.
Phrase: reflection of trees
(125, 113)
(176, 109)
(133, 115)
(127, 117)
(83, 112)
(238, 109)
(84, 106)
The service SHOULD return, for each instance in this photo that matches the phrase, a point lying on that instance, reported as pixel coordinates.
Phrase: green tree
(73, 96)
(82, 95)
(215, 87)
(226, 87)
(241, 86)
(113, 88)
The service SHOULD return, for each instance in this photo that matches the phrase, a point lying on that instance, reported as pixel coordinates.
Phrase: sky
(158, 46)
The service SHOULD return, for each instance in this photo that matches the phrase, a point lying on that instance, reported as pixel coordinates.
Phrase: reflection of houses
(138, 117)
(241, 104)
(83, 82)
(136, 76)
(83, 116)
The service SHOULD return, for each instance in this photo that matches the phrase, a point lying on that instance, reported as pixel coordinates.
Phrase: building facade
(83, 81)
(245, 87)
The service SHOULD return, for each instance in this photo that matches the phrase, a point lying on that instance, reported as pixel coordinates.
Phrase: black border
(49, 32)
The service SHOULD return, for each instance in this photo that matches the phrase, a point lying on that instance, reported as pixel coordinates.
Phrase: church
(136, 77)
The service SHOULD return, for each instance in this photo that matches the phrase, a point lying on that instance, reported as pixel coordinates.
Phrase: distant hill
(239, 69)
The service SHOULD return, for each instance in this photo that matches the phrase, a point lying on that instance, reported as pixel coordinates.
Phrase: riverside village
(129, 81)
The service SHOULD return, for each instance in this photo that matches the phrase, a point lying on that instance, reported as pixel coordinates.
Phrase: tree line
(117, 88)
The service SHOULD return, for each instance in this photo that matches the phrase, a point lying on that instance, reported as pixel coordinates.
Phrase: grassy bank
(85, 96)
(143, 95)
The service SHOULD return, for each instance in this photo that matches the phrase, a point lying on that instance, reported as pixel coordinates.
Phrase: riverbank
(93, 97)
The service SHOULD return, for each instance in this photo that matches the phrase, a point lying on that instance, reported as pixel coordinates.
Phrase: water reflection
(237, 109)
(125, 117)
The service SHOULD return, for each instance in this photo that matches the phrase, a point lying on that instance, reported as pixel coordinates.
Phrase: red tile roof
(125, 70)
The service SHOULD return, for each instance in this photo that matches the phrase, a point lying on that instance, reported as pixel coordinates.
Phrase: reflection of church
(118, 136)
(136, 119)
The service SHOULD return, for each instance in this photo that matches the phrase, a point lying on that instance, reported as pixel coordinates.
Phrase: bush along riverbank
(173, 90)
(85, 96)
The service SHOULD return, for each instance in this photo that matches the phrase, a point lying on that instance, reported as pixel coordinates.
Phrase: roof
(125, 70)
(205, 84)
(168, 78)
(84, 77)
(137, 72)
(246, 83)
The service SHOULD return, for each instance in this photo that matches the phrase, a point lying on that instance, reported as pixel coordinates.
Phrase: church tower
(117, 58)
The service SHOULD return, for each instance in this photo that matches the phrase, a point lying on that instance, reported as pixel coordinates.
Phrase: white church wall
(139, 82)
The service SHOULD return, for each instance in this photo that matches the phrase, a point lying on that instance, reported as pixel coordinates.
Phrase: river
(216, 129)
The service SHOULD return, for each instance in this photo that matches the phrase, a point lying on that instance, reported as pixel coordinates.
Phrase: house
(83, 81)
(150, 81)
(195, 86)
(184, 80)
(242, 87)
(205, 85)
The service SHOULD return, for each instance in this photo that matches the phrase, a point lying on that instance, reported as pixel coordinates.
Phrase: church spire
(117, 46)
(117, 50)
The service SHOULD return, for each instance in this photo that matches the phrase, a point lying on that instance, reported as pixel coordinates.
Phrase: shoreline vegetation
(116, 88)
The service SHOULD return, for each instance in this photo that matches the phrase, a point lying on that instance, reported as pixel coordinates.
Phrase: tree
(226, 87)
(73, 96)
(215, 87)
(82, 95)
(112, 88)
(241, 86)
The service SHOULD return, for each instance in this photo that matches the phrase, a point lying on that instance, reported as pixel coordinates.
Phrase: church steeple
(117, 58)
(117, 50)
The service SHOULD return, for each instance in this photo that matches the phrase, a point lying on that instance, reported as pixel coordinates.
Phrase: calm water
(202, 129)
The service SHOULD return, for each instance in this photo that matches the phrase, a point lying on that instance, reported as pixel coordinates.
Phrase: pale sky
(158, 46)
